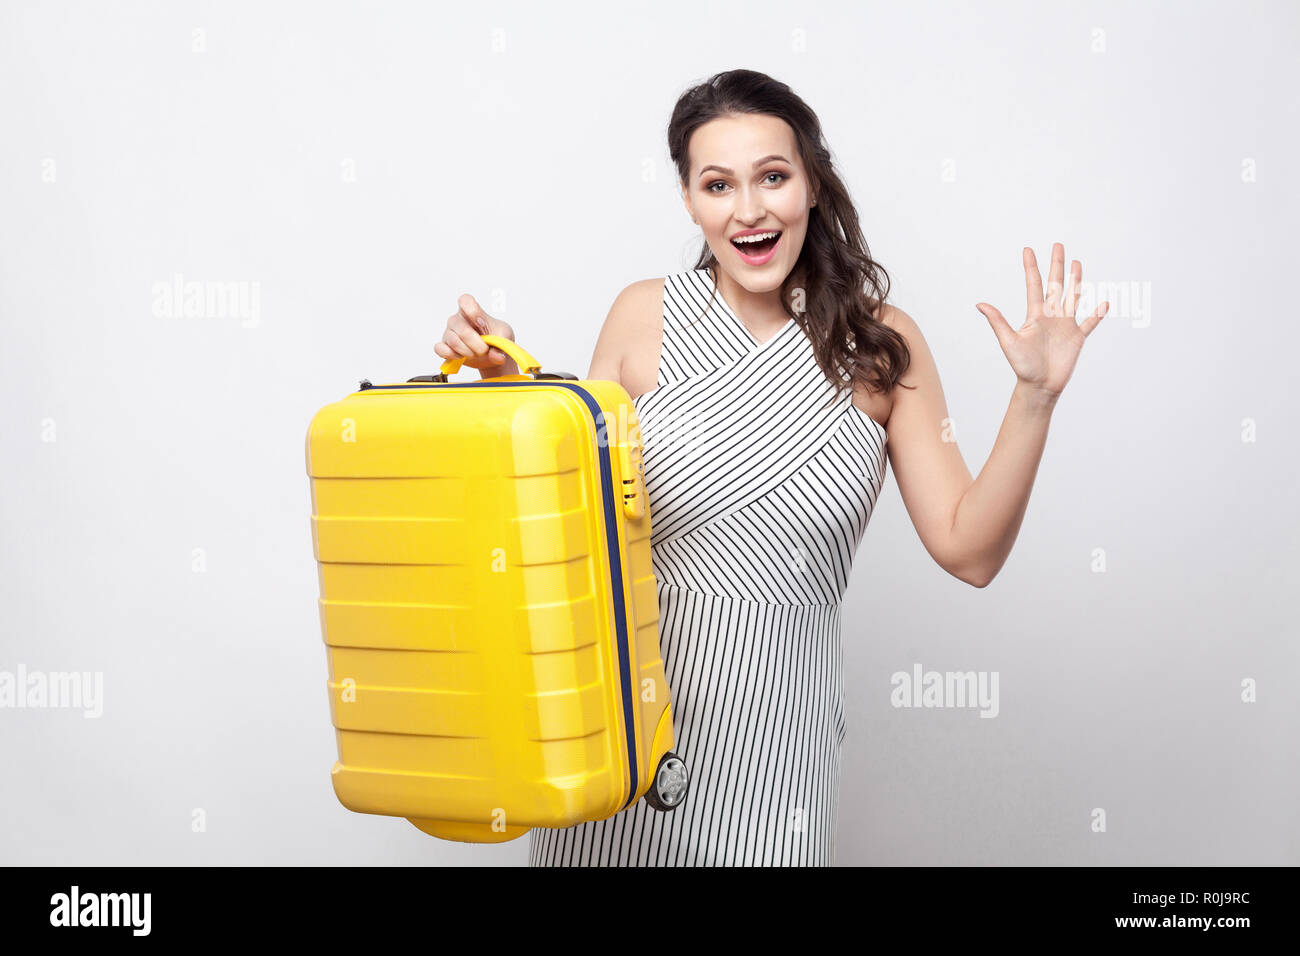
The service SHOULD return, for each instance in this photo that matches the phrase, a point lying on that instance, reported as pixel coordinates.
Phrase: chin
(769, 280)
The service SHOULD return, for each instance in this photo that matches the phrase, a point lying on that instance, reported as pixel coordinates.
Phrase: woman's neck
(760, 311)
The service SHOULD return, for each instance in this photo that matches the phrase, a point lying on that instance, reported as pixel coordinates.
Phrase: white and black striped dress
(759, 494)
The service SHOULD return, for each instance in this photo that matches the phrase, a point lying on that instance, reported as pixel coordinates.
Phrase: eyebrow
(731, 172)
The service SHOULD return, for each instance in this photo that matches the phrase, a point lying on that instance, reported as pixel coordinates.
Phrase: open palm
(1042, 352)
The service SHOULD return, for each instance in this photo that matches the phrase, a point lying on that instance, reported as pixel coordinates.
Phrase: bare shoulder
(918, 349)
(921, 369)
(875, 404)
(642, 301)
(919, 392)
(898, 320)
(632, 328)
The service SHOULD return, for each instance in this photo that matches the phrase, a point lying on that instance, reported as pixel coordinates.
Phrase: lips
(756, 250)
(757, 253)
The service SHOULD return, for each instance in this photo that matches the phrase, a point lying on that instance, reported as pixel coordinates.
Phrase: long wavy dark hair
(844, 288)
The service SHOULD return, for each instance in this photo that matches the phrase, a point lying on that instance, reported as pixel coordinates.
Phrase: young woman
(769, 381)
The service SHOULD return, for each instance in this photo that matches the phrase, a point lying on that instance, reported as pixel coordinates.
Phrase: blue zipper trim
(611, 535)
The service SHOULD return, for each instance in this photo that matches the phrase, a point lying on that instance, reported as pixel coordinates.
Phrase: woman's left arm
(969, 526)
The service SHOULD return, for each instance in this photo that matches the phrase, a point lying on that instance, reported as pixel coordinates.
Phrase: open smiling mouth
(760, 250)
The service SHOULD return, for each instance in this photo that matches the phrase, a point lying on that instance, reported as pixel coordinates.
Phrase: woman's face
(746, 175)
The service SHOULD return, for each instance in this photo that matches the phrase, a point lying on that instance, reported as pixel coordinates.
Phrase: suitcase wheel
(668, 789)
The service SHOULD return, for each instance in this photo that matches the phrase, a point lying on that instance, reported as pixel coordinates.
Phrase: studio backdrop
(215, 218)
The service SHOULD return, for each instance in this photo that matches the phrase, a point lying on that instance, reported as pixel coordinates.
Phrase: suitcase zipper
(611, 535)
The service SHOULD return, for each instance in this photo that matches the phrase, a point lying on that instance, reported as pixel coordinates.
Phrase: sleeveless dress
(759, 494)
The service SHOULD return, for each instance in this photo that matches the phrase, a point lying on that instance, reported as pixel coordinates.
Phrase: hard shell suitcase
(487, 602)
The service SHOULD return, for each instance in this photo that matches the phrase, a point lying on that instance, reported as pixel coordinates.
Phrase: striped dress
(759, 490)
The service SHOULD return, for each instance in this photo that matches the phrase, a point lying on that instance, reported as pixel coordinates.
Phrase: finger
(473, 312)
(445, 351)
(1033, 281)
(458, 345)
(476, 348)
(1001, 327)
(1055, 279)
(1091, 321)
(1072, 291)
(469, 330)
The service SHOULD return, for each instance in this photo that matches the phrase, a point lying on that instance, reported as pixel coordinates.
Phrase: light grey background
(516, 151)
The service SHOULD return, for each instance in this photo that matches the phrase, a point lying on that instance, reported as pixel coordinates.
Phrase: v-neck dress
(760, 487)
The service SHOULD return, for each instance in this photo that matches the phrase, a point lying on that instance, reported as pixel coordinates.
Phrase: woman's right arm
(623, 325)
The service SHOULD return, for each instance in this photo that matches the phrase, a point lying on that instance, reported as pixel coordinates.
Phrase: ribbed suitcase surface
(487, 601)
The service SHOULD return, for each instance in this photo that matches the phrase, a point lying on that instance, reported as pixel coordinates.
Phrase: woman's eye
(719, 182)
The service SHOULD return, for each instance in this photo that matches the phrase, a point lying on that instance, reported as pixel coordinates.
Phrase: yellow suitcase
(487, 602)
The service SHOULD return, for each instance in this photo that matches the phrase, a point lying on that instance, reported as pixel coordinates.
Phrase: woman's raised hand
(463, 338)
(1043, 350)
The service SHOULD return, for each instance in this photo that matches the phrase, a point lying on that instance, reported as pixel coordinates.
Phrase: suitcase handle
(527, 364)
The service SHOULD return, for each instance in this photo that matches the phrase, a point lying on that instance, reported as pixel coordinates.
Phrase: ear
(687, 202)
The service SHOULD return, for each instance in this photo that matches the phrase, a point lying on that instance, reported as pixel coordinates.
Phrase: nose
(749, 205)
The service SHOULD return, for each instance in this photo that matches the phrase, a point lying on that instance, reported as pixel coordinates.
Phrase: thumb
(1001, 328)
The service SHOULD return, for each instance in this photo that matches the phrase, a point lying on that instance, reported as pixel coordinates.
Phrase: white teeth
(757, 237)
